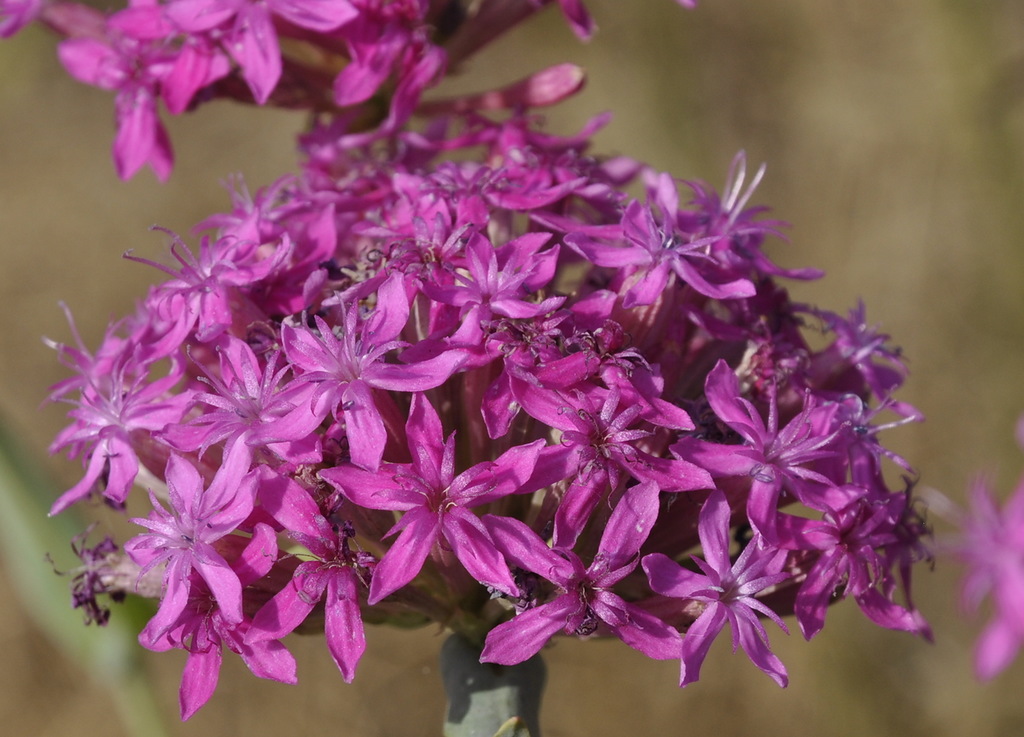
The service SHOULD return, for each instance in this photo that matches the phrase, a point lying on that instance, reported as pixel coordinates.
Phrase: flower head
(460, 373)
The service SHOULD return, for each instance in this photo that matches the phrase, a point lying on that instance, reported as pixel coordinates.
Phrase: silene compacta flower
(452, 372)
(990, 545)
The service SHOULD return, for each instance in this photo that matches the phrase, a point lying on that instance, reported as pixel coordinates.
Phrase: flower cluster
(457, 374)
(371, 58)
(991, 546)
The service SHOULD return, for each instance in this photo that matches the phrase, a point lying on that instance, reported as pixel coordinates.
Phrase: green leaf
(27, 536)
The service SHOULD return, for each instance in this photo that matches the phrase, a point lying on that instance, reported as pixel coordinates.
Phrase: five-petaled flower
(585, 600)
(436, 503)
(184, 538)
(727, 590)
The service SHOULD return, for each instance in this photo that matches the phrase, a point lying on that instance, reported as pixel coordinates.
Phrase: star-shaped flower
(727, 590)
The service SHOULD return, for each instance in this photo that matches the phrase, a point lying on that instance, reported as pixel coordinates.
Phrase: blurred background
(894, 138)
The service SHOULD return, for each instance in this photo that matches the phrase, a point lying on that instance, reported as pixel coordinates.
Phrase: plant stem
(483, 698)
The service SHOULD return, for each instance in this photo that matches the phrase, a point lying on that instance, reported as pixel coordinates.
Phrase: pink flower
(16, 14)
(992, 547)
(183, 537)
(657, 250)
(251, 410)
(436, 503)
(249, 33)
(133, 68)
(201, 293)
(388, 39)
(853, 543)
(496, 282)
(774, 458)
(726, 589)
(601, 445)
(115, 403)
(203, 629)
(858, 356)
(335, 576)
(340, 373)
(584, 601)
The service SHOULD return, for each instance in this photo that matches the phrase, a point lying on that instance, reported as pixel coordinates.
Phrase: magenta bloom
(339, 374)
(498, 283)
(855, 544)
(727, 591)
(107, 414)
(775, 459)
(658, 250)
(436, 503)
(463, 369)
(133, 69)
(203, 629)
(860, 354)
(585, 601)
(200, 294)
(335, 577)
(992, 547)
(601, 446)
(183, 537)
(248, 30)
(251, 409)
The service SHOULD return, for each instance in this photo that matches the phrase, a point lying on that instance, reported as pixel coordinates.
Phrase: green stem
(488, 700)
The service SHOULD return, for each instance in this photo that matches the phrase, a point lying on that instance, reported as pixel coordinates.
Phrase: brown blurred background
(894, 137)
